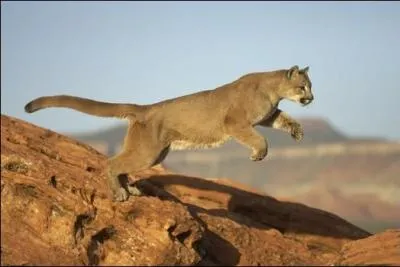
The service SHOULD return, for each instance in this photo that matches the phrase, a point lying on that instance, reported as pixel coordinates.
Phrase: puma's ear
(293, 71)
(305, 70)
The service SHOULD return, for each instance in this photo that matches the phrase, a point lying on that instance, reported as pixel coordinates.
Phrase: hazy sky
(142, 52)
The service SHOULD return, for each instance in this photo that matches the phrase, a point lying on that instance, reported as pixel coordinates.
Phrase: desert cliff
(55, 210)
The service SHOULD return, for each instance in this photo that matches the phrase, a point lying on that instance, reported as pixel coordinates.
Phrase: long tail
(88, 106)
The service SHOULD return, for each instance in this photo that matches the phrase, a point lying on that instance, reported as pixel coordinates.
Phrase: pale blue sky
(142, 52)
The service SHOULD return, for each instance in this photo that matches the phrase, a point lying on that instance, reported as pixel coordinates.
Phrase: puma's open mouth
(305, 101)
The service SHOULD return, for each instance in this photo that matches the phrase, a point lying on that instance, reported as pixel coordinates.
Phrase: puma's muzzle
(308, 98)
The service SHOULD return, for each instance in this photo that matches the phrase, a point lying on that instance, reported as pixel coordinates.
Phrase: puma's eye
(303, 88)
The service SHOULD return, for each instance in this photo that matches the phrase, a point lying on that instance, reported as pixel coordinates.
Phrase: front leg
(250, 138)
(282, 121)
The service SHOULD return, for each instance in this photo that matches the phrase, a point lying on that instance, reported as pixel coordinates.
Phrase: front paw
(297, 132)
(259, 155)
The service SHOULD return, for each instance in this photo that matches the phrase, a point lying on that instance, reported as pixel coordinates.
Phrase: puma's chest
(187, 144)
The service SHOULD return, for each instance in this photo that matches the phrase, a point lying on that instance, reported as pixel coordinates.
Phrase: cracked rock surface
(56, 210)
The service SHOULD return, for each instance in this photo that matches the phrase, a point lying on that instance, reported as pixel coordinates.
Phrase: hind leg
(140, 151)
(129, 162)
(132, 189)
(119, 167)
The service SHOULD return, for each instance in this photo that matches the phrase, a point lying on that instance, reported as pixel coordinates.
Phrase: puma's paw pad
(259, 155)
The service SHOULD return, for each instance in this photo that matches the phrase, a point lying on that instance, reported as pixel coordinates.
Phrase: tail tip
(29, 107)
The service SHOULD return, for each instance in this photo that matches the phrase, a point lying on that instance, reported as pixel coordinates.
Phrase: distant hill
(112, 137)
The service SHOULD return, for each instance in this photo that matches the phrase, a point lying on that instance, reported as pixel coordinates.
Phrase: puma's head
(297, 86)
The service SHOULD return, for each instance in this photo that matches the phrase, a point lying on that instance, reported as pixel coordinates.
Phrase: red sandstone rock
(55, 210)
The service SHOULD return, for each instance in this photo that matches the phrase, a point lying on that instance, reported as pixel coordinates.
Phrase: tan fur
(201, 120)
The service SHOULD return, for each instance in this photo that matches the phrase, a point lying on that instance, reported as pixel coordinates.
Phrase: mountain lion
(200, 120)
